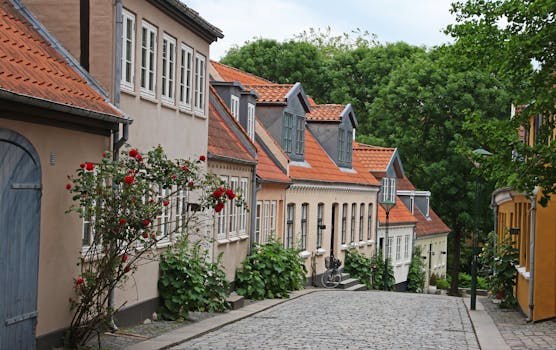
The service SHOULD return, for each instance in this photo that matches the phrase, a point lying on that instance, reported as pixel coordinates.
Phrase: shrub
(432, 279)
(377, 266)
(415, 275)
(442, 283)
(359, 266)
(272, 271)
(190, 282)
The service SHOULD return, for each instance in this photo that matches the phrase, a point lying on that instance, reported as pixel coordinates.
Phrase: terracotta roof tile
(404, 184)
(431, 226)
(326, 112)
(322, 168)
(233, 74)
(30, 66)
(221, 139)
(399, 214)
(267, 170)
(373, 158)
(270, 93)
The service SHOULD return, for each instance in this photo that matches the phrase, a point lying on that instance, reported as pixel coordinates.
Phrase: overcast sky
(417, 22)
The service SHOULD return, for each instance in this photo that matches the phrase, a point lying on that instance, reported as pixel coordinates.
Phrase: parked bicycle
(332, 276)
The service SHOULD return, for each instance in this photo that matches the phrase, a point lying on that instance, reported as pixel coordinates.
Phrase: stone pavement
(349, 320)
(517, 333)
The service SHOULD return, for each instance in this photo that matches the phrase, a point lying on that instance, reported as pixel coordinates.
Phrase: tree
(514, 41)
(124, 202)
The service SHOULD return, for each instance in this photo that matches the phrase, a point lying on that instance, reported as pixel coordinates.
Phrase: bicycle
(332, 276)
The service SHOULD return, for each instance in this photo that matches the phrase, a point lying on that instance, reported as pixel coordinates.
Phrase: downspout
(116, 140)
(256, 188)
(532, 228)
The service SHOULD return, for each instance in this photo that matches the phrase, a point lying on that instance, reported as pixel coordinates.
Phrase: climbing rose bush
(129, 205)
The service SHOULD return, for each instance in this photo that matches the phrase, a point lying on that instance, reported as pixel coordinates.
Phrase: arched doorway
(20, 202)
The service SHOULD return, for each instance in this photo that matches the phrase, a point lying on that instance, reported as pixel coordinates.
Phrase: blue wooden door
(20, 196)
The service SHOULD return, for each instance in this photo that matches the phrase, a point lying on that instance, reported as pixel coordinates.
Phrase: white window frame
(148, 59)
(168, 74)
(251, 120)
(163, 221)
(389, 250)
(272, 224)
(320, 224)
(361, 221)
(290, 225)
(128, 56)
(258, 218)
(406, 247)
(369, 221)
(182, 199)
(234, 106)
(266, 221)
(398, 248)
(221, 219)
(243, 210)
(304, 217)
(344, 224)
(186, 77)
(200, 81)
(352, 226)
(234, 210)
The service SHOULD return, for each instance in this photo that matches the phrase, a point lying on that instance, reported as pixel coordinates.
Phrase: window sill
(370, 242)
(523, 272)
(362, 244)
(169, 104)
(127, 90)
(148, 98)
(243, 237)
(321, 251)
(305, 254)
(222, 241)
(234, 239)
(163, 243)
(201, 115)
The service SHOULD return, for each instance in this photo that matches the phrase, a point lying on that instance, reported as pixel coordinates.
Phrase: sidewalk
(487, 333)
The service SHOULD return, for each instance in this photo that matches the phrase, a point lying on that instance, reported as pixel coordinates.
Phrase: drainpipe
(532, 228)
(117, 141)
(256, 188)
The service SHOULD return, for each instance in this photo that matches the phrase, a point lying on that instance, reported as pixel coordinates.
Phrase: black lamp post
(483, 153)
(387, 199)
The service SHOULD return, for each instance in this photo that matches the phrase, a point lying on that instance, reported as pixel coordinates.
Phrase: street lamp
(387, 199)
(483, 153)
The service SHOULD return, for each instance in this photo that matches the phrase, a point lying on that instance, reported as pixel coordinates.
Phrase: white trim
(185, 90)
(321, 251)
(168, 74)
(304, 187)
(304, 254)
(200, 84)
(234, 106)
(150, 49)
(251, 120)
(127, 82)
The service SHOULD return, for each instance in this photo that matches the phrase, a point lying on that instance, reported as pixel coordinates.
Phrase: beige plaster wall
(60, 240)
(329, 195)
(277, 192)
(439, 261)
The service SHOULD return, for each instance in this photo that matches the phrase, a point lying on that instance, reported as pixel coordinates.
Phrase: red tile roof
(270, 93)
(322, 168)
(399, 214)
(326, 112)
(30, 66)
(233, 74)
(222, 141)
(374, 158)
(431, 226)
(267, 170)
(404, 184)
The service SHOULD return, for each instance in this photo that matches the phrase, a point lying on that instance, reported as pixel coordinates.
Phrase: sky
(417, 22)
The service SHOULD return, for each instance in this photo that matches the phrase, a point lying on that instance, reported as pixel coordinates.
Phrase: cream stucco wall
(60, 233)
(233, 249)
(438, 259)
(401, 264)
(275, 192)
(330, 195)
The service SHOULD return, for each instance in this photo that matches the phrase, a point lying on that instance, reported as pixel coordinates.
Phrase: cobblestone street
(350, 320)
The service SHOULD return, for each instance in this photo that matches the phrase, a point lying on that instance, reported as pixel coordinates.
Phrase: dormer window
(300, 133)
(411, 203)
(287, 133)
(251, 120)
(344, 147)
(234, 106)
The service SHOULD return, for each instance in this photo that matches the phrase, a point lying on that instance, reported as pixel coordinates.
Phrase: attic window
(234, 106)
(251, 120)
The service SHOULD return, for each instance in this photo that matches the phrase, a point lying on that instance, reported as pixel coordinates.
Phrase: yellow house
(532, 228)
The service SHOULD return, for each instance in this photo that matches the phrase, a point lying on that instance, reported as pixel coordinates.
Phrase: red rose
(89, 166)
(146, 222)
(185, 168)
(82, 165)
(127, 268)
(190, 184)
(133, 199)
(153, 235)
(165, 203)
(129, 180)
(103, 154)
(219, 207)
(230, 194)
(79, 281)
(202, 158)
(217, 193)
(173, 176)
(139, 158)
(68, 187)
(145, 235)
(133, 153)
(122, 221)
(124, 257)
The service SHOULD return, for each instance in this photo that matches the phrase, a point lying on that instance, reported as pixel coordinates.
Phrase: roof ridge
(241, 71)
